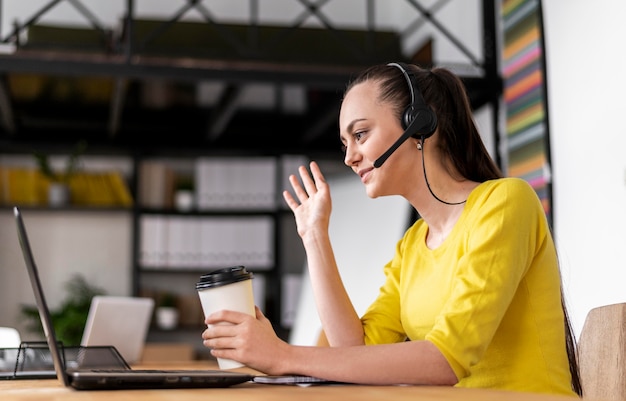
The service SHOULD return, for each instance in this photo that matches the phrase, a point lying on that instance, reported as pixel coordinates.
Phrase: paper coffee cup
(231, 289)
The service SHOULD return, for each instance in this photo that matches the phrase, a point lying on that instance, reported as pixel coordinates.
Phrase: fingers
(291, 202)
(222, 328)
(311, 181)
(317, 173)
(229, 331)
(220, 343)
(301, 194)
(258, 313)
(318, 178)
(217, 331)
(226, 316)
(308, 182)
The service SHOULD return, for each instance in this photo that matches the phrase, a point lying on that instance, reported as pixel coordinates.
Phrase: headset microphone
(411, 130)
(417, 119)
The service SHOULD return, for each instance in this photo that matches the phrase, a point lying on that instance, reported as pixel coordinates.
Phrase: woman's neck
(441, 217)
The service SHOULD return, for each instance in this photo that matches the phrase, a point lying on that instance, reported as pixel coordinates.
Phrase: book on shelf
(156, 185)
(191, 242)
(235, 183)
(27, 186)
(153, 241)
(22, 186)
(105, 189)
(219, 182)
(183, 242)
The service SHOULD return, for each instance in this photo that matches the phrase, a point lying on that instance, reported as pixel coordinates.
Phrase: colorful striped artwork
(523, 71)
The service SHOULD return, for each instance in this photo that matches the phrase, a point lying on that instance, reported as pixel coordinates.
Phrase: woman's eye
(359, 135)
(356, 137)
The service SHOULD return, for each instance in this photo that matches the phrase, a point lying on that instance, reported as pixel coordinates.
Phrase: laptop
(123, 378)
(121, 322)
(112, 321)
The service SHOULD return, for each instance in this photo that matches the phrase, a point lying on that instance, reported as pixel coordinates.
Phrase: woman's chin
(372, 192)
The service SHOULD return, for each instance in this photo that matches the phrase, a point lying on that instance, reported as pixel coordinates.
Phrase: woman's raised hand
(311, 205)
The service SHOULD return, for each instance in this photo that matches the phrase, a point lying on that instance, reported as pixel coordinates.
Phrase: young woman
(472, 296)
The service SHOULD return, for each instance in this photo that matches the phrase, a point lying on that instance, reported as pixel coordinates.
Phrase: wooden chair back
(602, 353)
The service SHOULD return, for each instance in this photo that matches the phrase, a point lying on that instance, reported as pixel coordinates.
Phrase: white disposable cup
(227, 289)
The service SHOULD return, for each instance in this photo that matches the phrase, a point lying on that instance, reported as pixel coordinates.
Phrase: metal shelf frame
(123, 58)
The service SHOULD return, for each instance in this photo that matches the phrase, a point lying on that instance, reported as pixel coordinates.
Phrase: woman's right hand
(313, 204)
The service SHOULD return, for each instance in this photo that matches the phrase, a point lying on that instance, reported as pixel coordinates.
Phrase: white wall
(96, 245)
(586, 86)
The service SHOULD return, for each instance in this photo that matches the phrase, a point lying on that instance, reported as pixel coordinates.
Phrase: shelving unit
(229, 228)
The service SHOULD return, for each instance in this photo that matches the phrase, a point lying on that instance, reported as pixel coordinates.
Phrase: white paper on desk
(292, 380)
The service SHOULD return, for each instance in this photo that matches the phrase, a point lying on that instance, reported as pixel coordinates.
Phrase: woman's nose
(351, 156)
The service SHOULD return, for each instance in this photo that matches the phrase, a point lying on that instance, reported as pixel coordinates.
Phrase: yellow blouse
(489, 297)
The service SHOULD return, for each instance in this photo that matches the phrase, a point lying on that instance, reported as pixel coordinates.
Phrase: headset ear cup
(407, 117)
(428, 117)
(427, 123)
(432, 118)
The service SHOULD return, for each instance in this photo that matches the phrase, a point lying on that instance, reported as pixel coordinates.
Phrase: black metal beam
(445, 32)
(324, 120)
(117, 105)
(116, 66)
(6, 108)
(492, 81)
(223, 112)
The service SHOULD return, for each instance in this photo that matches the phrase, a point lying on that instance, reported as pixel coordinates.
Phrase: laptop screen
(44, 312)
(121, 322)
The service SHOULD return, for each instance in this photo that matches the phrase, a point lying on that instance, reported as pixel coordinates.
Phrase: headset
(417, 118)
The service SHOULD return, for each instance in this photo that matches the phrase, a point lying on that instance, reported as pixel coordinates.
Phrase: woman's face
(367, 129)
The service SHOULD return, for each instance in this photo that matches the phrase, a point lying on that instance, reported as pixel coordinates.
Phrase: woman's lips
(365, 173)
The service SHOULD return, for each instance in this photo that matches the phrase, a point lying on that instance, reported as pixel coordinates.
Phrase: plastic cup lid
(223, 276)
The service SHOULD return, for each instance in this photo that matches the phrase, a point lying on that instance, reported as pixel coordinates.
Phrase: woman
(472, 296)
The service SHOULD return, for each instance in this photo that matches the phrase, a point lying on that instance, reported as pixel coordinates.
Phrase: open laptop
(112, 321)
(113, 379)
(121, 322)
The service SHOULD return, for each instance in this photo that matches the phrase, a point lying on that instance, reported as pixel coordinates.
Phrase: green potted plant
(70, 318)
(58, 188)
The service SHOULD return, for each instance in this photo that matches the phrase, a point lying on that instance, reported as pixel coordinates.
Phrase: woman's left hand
(250, 340)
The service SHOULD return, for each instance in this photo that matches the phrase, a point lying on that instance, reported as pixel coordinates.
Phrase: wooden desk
(36, 390)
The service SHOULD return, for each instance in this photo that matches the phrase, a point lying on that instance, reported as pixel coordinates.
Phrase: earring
(419, 146)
